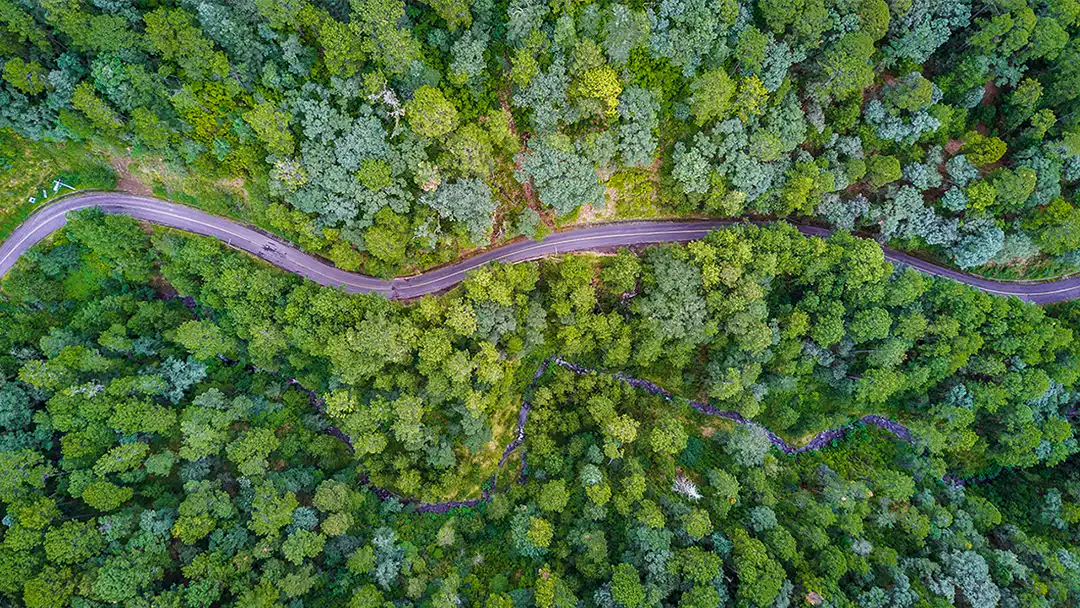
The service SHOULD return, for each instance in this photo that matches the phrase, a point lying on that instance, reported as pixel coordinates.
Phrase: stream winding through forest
(819, 441)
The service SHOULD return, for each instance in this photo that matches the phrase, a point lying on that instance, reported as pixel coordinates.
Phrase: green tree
(332, 496)
(122, 458)
(204, 339)
(51, 588)
(367, 596)
(760, 577)
(100, 114)
(877, 385)
(981, 195)
(342, 51)
(250, 450)
(751, 49)
(700, 596)
(712, 95)
(272, 128)
(271, 509)
(668, 437)
(870, 324)
(626, 587)
(378, 26)
(874, 18)
(1056, 227)
(385, 240)
(982, 150)
(22, 471)
(468, 201)
(620, 273)
(751, 98)
(21, 26)
(204, 507)
(177, 39)
(73, 542)
(472, 152)
(845, 65)
(599, 85)
(553, 496)
(430, 114)
(881, 170)
(563, 179)
(697, 524)
(27, 76)
(540, 532)
(116, 241)
(302, 544)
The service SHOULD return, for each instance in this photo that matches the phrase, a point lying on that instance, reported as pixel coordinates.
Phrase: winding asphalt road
(271, 248)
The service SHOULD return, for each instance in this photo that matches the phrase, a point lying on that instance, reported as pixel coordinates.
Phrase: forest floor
(125, 181)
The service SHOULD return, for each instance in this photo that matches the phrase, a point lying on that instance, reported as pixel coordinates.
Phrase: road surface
(274, 250)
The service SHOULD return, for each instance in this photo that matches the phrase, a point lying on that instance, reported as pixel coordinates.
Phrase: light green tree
(430, 114)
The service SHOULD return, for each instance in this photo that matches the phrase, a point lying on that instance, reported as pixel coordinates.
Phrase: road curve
(274, 250)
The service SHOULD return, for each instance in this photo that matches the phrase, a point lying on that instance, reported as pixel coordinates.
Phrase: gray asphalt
(274, 250)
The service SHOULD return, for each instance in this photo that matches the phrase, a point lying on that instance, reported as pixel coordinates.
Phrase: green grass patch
(635, 192)
(236, 198)
(1036, 269)
(28, 167)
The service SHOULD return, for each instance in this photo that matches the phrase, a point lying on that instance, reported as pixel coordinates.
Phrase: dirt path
(125, 181)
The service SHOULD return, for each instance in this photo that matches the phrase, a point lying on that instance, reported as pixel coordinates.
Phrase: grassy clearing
(1037, 269)
(237, 198)
(27, 167)
(635, 193)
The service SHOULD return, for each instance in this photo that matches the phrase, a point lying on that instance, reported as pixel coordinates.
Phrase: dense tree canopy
(184, 426)
(148, 456)
(341, 110)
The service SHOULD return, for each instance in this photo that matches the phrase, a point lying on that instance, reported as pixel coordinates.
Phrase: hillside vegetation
(184, 426)
(156, 449)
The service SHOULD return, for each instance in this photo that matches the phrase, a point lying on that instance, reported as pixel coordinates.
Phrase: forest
(388, 135)
(186, 426)
(758, 419)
